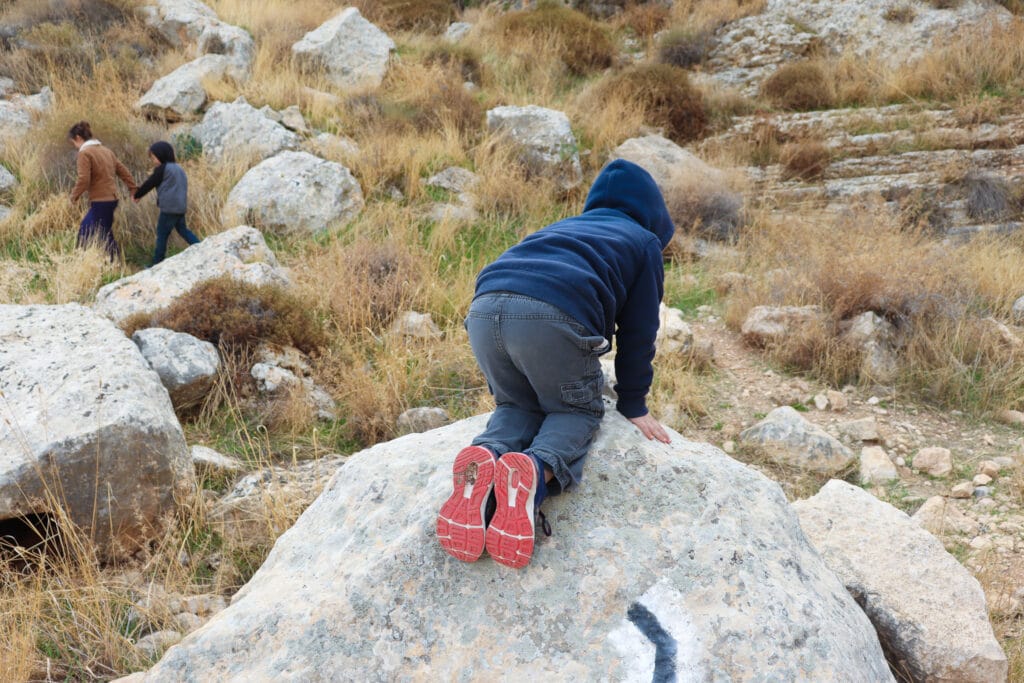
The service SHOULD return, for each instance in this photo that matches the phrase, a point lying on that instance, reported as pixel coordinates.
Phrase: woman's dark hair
(80, 130)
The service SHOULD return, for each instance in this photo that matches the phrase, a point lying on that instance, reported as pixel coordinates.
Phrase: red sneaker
(510, 535)
(460, 523)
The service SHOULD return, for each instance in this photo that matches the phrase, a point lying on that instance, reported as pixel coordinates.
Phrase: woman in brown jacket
(97, 167)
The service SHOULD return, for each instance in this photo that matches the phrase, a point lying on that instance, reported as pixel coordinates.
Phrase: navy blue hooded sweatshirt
(604, 268)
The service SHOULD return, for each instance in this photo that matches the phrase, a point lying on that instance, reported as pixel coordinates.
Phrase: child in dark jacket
(171, 196)
(542, 314)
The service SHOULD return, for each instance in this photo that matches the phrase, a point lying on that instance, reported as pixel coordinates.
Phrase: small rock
(186, 622)
(210, 460)
(875, 466)
(729, 447)
(864, 429)
(413, 324)
(935, 461)
(837, 401)
(940, 516)
(874, 401)
(982, 480)
(980, 543)
(1004, 462)
(989, 468)
(1018, 311)
(153, 645)
(900, 462)
(416, 420)
(986, 503)
(1011, 417)
(963, 490)
(457, 31)
(981, 491)
(820, 401)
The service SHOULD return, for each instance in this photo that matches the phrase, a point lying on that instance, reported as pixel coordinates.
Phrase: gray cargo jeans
(542, 367)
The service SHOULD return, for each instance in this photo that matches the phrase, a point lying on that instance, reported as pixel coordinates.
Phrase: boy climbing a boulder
(542, 315)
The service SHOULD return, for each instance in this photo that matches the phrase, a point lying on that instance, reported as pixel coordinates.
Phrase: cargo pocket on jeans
(584, 396)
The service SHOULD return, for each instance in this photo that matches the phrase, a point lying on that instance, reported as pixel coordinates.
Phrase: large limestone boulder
(667, 162)
(353, 52)
(181, 92)
(194, 25)
(85, 424)
(667, 560)
(545, 139)
(787, 438)
(240, 252)
(294, 192)
(187, 366)
(928, 610)
(748, 50)
(237, 130)
(19, 112)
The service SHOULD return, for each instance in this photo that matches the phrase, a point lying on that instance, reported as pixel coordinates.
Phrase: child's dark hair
(80, 130)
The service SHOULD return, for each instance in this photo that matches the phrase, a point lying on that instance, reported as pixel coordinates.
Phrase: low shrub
(1014, 6)
(237, 316)
(716, 213)
(989, 197)
(683, 48)
(409, 15)
(644, 20)
(900, 14)
(462, 59)
(666, 96)
(583, 46)
(799, 86)
(944, 4)
(805, 160)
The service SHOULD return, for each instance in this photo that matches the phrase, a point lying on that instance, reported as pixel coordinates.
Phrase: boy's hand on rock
(650, 428)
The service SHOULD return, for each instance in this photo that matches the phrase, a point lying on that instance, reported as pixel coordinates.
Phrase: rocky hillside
(842, 341)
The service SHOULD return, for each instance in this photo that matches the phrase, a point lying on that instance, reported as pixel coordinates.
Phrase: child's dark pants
(98, 226)
(542, 367)
(164, 224)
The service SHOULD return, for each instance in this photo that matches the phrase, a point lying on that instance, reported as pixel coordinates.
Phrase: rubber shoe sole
(511, 533)
(460, 523)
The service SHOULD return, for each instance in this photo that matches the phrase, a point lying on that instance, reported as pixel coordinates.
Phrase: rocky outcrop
(746, 51)
(787, 438)
(667, 162)
(353, 52)
(766, 325)
(19, 112)
(240, 131)
(893, 568)
(194, 25)
(240, 253)
(86, 425)
(181, 92)
(187, 366)
(294, 192)
(697, 567)
(545, 140)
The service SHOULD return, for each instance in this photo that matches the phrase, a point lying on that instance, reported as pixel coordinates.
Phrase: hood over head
(163, 151)
(629, 189)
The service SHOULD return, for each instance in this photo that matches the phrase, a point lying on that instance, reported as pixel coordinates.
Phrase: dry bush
(711, 211)
(806, 160)
(77, 275)
(683, 48)
(799, 86)
(989, 197)
(464, 60)
(944, 4)
(709, 15)
(1014, 6)
(644, 20)
(427, 99)
(665, 95)
(582, 45)
(409, 15)
(900, 14)
(236, 315)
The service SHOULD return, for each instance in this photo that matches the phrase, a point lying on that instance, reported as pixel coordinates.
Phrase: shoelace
(544, 526)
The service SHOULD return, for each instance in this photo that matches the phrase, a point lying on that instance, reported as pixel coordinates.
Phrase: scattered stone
(237, 130)
(240, 253)
(786, 437)
(940, 516)
(454, 213)
(154, 645)
(292, 119)
(1018, 311)
(417, 325)
(369, 542)
(674, 334)
(457, 31)
(545, 139)
(891, 565)
(774, 324)
(820, 401)
(875, 466)
(292, 193)
(333, 146)
(7, 180)
(1014, 418)
(181, 93)
(864, 429)
(727, 283)
(264, 504)
(668, 163)
(190, 23)
(982, 480)
(1004, 462)
(900, 462)
(186, 622)
(935, 461)
(277, 381)
(354, 52)
(981, 543)
(837, 400)
(453, 179)
(729, 447)
(207, 459)
(416, 420)
(981, 491)
(963, 490)
(989, 468)
(19, 113)
(875, 337)
(86, 425)
(187, 366)
(287, 357)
